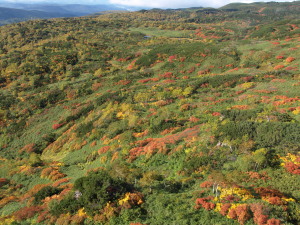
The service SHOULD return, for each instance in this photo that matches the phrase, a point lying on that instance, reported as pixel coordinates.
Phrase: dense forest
(186, 116)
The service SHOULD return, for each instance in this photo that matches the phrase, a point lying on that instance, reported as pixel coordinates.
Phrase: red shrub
(27, 212)
(150, 146)
(247, 79)
(121, 60)
(57, 125)
(144, 80)
(240, 107)
(232, 214)
(216, 114)
(261, 219)
(291, 68)
(273, 222)
(191, 70)
(169, 81)
(225, 208)
(275, 201)
(43, 216)
(239, 92)
(278, 67)
(3, 181)
(204, 72)
(268, 192)
(171, 58)
(103, 150)
(231, 198)
(243, 213)
(155, 79)
(123, 82)
(167, 75)
(182, 59)
(203, 202)
(292, 167)
(258, 214)
(257, 176)
(206, 184)
(290, 59)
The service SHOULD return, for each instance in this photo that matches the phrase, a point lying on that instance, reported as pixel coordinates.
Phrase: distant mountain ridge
(10, 13)
(74, 9)
(17, 12)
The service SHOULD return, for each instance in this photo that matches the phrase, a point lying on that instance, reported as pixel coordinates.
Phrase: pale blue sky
(144, 3)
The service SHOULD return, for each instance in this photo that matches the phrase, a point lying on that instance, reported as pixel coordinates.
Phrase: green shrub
(240, 115)
(45, 192)
(98, 188)
(83, 129)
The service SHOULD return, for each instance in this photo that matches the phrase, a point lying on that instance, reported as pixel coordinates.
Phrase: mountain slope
(147, 118)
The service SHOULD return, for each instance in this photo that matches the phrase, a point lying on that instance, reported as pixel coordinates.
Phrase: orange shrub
(275, 201)
(203, 202)
(290, 59)
(52, 173)
(103, 150)
(61, 181)
(225, 209)
(206, 184)
(7, 200)
(258, 214)
(278, 67)
(273, 222)
(243, 213)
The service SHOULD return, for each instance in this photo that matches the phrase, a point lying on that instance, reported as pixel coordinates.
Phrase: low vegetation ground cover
(196, 124)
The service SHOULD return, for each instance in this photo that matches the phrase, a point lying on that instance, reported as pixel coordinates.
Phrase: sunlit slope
(162, 120)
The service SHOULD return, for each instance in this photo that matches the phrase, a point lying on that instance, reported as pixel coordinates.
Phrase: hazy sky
(145, 3)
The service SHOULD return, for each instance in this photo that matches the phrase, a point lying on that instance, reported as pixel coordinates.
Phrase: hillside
(187, 116)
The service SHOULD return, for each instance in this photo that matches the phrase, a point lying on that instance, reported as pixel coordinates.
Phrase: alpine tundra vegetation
(186, 116)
